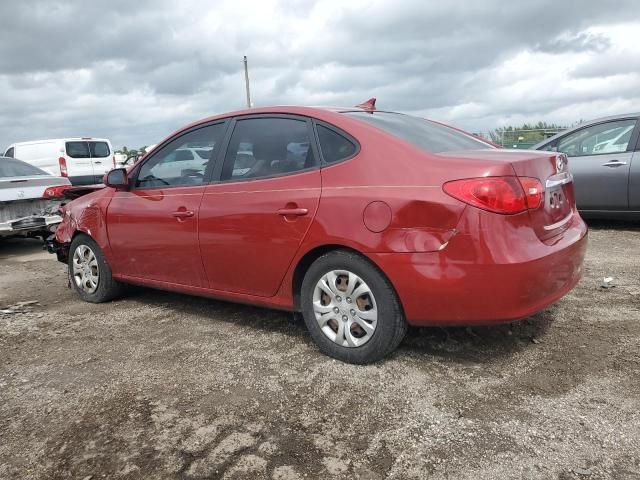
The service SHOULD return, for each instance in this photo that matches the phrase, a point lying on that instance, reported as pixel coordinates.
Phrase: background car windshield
(16, 168)
(424, 134)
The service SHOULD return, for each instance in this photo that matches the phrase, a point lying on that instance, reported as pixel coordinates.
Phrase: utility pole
(246, 82)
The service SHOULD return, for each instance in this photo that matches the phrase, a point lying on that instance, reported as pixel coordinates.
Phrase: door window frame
(135, 171)
(633, 145)
(217, 173)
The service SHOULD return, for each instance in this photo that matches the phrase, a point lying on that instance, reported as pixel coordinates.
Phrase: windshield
(10, 167)
(424, 134)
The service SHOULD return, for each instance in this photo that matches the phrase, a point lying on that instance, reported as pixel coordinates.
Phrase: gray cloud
(135, 71)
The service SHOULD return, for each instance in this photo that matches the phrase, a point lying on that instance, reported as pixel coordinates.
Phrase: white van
(83, 160)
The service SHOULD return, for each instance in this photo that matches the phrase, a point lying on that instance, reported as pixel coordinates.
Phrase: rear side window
(18, 168)
(9, 153)
(78, 150)
(334, 146)
(99, 149)
(424, 134)
(267, 147)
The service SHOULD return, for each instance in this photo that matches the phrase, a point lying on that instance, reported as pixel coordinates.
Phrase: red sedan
(363, 220)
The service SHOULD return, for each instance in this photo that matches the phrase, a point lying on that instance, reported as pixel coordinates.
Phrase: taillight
(533, 191)
(55, 192)
(506, 195)
(63, 167)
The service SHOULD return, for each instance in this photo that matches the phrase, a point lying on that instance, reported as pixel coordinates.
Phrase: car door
(79, 163)
(153, 226)
(100, 158)
(253, 220)
(600, 158)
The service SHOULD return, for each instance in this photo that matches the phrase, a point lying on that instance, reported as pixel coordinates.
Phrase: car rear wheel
(350, 309)
(90, 273)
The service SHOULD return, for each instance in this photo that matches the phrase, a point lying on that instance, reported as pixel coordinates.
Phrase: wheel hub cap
(345, 308)
(86, 274)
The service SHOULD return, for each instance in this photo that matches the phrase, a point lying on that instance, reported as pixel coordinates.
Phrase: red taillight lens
(533, 191)
(496, 194)
(63, 167)
(55, 192)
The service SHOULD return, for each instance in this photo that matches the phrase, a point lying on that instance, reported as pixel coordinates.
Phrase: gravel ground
(160, 385)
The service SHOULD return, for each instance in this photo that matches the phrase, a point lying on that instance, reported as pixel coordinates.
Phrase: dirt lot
(160, 385)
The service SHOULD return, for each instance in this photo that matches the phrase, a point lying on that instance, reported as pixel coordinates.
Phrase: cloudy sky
(134, 71)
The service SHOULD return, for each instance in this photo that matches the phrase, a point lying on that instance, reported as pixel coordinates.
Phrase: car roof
(595, 121)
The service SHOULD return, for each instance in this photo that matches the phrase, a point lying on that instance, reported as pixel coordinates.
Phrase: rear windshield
(99, 149)
(88, 149)
(10, 167)
(424, 134)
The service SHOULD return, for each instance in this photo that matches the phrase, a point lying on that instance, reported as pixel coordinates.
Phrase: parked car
(384, 220)
(605, 161)
(29, 199)
(83, 161)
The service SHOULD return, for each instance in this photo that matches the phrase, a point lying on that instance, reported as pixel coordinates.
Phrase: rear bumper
(496, 272)
(31, 224)
(86, 179)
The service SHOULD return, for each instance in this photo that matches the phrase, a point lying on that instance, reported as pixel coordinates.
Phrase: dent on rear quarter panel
(409, 182)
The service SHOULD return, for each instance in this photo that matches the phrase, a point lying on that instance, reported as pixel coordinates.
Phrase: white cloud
(134, 72)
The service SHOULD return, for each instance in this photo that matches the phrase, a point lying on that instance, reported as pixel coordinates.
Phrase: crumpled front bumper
(61, 250)
(25, 225)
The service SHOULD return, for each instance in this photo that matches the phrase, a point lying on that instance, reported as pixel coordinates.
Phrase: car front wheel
(89, 271)
(350, 309)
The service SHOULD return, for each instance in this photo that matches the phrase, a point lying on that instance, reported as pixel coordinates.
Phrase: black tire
(391, 326)
(107, 288)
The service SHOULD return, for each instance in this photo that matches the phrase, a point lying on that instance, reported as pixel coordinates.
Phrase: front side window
(9, 153)
(266, 147)
(182, 161)
(600, 139)
(78, 150)
(334, 146)
(426, 135)
(99, 149)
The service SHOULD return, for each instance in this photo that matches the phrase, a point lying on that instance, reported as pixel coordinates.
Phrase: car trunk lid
(553, 214)
(24, 188)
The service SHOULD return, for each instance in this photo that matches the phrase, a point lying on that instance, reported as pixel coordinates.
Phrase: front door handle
(298, 212)
(182, 214)
(614, 163)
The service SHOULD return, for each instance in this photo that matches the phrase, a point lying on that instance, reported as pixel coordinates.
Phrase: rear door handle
(180, 214)
(614, 163)
(286, 212)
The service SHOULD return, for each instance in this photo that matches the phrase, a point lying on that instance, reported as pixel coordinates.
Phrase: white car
(84, 161)
(29, 199)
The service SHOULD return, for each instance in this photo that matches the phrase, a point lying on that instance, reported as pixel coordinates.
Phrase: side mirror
(116, 178)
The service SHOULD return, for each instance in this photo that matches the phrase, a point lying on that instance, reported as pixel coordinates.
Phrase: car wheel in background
(350, 308)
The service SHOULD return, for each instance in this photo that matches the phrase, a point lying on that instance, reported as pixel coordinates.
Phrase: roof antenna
(369, 105)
